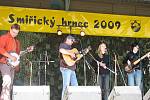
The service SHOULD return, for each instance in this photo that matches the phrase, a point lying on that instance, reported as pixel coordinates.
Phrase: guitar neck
(29, 49)
(23, 52)
(81, 55)
(137, 61)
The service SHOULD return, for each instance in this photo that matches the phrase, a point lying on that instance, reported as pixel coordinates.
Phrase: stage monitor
(125, 93)
(82, 93)
(31, 93)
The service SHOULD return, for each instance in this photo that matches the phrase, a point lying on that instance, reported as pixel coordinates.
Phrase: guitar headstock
(86, 50)
(30, 48)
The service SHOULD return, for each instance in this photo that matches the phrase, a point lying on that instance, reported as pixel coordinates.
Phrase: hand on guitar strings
(129, 62)
(13, 58)
(73, 55)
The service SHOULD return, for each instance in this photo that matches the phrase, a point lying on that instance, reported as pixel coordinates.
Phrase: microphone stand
(85, 80)
(90, 67)
(117, 64)
(39, 71)
(30, 71)
(98, 73)
(99, 67)
(46, 62)
(99, 62)
(115, 84)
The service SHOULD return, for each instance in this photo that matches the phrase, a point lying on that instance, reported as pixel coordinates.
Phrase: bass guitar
(130, 67)
(16, 63)
(71, 61)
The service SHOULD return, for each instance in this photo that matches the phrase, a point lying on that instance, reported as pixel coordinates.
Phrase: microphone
(76, 40)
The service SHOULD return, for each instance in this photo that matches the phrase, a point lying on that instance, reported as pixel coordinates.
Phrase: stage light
(59, 32)
(82, 33)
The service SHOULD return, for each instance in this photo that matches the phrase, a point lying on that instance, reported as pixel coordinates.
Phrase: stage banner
(49, 21)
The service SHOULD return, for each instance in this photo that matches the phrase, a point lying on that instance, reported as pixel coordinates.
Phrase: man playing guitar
(8, 43)
(68, 72)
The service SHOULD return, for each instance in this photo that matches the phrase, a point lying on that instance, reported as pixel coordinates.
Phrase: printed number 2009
(103, 24)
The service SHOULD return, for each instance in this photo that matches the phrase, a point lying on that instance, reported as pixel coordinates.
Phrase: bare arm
(67, 52)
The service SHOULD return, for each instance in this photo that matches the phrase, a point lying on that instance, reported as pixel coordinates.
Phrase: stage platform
(78, 93)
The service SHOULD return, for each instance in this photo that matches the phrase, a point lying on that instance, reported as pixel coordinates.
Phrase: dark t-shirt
(105, 60)
(62, 62)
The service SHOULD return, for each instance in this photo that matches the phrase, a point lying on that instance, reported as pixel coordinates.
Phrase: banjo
(17, 56)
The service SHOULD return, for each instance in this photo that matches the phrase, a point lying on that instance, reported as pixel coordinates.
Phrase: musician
(103, 63)
(68, 72)
(135, 76)
(8, 43)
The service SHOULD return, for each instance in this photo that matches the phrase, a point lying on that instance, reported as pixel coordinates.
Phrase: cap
(71, 38)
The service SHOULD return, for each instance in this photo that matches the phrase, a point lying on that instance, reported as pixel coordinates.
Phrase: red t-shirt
(8, 44)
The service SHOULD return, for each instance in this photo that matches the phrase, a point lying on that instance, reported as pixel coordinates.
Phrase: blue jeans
(104, 84)
(135, 78)
(69, 77)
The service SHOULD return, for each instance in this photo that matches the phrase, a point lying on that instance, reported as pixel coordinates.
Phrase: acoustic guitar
(71, 61)
(16, 63)
(130, 67)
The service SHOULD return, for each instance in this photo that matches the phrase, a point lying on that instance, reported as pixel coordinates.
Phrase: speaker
(125, 93)
(147, 95)
(82, 93)
(31, 93)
